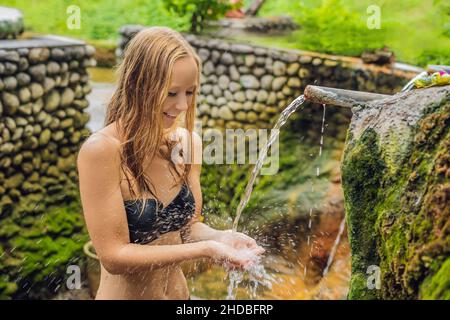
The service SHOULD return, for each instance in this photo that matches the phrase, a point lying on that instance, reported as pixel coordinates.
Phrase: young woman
(142, 205)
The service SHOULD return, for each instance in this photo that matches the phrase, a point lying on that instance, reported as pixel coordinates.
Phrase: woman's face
(181, 90)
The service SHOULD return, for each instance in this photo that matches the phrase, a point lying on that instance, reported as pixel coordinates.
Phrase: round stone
(262, 96)
(305, 59)
(208, 68)
(38, 72)
(266, 81)
(10, 103)
(234, 73)
(251, 94)
(67, 97)
(52, 101)
(10, 83)
(259, 72)
(23, 79)
(278, 83)
(53, 67)
(249, 82)
(294, 82)
(24, 95)
(206, 89)
(293, 68)
(241, 116)
(250, 60)
(279, 68)
(252, 117)
(234, 86)
(239, 96)
(224, 82)
(38, 55)
(36, 90)
(227, 58)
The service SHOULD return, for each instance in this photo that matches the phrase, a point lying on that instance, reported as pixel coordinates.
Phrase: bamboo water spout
(340, 97)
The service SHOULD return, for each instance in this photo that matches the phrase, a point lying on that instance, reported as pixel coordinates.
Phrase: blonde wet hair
(144, 78)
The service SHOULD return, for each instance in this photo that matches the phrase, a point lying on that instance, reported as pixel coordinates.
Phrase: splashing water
(256, 273)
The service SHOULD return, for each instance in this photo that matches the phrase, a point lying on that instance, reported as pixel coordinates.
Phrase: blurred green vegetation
(199, 11)
(36, 250)
(418, 31)
(100, 19)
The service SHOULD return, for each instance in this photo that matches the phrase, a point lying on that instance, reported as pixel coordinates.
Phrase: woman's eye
(174, 94)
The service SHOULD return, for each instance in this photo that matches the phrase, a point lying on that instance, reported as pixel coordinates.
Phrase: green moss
(359, 289)
(362, 170)
(400, 216)
(437, 286)
(38, 248)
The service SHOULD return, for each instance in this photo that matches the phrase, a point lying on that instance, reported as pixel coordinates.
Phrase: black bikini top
(147, 225)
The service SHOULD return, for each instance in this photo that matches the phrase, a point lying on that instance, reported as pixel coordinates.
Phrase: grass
(418, 31)
(100, 19)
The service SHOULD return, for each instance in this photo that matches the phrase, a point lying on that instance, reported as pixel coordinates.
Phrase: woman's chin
(168, 123)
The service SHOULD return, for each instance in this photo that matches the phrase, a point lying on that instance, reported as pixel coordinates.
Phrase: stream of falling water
(257, 273)
(310, 235)
(334, 249)
(285, 114)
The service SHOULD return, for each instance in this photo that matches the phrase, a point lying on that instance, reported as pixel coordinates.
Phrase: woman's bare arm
(104, 211)
(196, 230)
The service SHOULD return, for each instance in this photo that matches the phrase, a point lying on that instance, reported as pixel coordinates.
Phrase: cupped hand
(238, 240)
(233, 258)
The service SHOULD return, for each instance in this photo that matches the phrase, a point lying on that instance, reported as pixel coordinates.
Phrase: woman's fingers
(259, 250)
(249, 242)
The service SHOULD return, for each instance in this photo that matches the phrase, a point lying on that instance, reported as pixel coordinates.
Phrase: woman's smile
(170, 115)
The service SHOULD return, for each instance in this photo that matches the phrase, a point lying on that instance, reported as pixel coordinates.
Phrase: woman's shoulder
(99, 147)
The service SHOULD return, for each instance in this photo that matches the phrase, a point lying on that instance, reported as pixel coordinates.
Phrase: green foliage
(339, 27)
(334, 29)
(100, 19)
(437, 286)
(199, 10)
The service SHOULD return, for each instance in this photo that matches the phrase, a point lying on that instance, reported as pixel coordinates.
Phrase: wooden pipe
(340, 97)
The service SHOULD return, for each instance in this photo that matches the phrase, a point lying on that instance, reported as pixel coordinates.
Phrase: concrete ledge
(48, 41)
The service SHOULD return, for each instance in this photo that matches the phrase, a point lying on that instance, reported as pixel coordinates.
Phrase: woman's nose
(182, 103)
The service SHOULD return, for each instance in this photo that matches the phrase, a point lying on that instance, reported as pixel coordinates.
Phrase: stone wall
(272, 25)
(246, 86)
(43, 88)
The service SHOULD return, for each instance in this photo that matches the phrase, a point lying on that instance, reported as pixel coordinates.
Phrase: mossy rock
(396, 181)
(36, 247)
